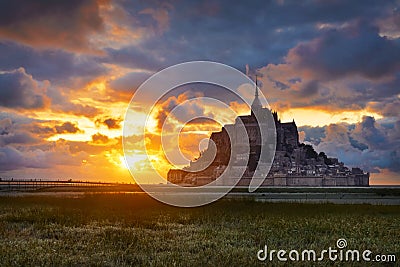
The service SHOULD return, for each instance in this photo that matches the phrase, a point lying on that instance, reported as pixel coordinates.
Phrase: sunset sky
(68, 70)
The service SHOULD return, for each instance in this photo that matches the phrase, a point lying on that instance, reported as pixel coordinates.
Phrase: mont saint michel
(292, 163)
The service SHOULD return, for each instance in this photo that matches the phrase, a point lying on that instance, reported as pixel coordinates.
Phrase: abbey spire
(256, 106)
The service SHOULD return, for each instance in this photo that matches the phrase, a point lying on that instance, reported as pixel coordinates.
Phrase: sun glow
(122, 163)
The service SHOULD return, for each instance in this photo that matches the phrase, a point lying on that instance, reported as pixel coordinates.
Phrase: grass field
(128, 229)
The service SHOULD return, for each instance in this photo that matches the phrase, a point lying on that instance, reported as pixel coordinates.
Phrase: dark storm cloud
(375, 136)
(351, 67)
(308, 89)
(376, 91)
(20, 90)
(354, 50)
(281, 85)
(379, 96)
(50, 24)
(59, 67)
(191, 31)
(238, 33)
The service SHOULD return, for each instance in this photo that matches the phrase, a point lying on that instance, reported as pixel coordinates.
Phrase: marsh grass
(126, 230)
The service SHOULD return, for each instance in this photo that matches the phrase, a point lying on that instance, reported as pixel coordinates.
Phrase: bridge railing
(34, 184)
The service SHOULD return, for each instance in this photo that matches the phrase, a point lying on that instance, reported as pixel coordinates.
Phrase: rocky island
(291, 164)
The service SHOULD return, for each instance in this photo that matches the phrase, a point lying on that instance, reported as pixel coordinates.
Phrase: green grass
(126, 229)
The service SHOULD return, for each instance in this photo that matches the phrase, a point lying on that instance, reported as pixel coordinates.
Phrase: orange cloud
(100, 138)
(60, 25)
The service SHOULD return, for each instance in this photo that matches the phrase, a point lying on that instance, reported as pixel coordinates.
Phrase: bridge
(34, 184)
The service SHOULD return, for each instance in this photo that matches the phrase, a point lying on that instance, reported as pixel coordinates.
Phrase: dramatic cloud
(269, 28)
(389, 26)
(185, 110)
(59, 67)
(67, 127)
(371, 145)
(60, 102)
(17, 138)
(69, 69)
(99, 138)
(5, 125)
(20, 90)
(346, 68)
(11, 159)
(51, 24)
(59, 154)
(388, 108)
(342, 52)
(312, 134)
(19, 130)
(112, 123)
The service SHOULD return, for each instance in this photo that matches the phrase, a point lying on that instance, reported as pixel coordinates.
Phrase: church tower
(256, 106)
